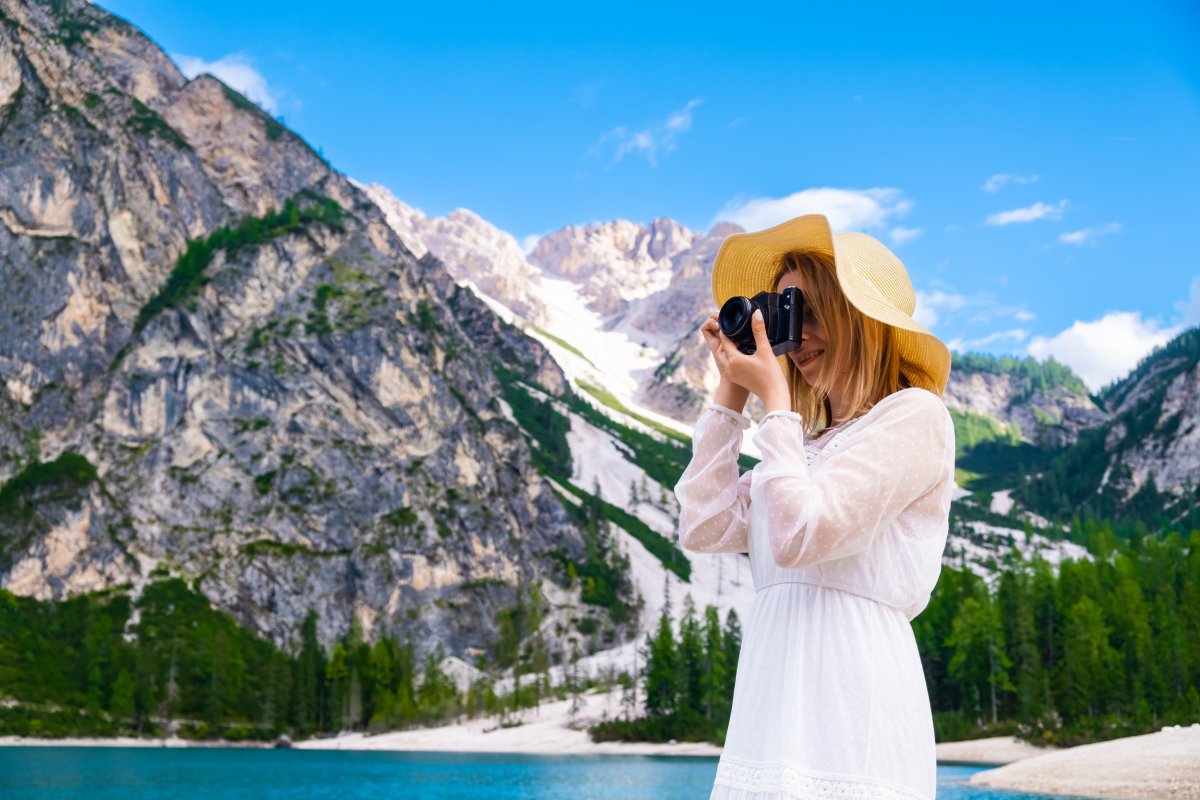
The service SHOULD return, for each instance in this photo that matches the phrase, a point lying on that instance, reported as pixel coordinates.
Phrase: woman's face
(810, 355)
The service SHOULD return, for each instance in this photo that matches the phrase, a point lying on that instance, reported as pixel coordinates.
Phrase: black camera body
(783, 313)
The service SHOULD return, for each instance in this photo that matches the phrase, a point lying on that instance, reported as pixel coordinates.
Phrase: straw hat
(870, 275)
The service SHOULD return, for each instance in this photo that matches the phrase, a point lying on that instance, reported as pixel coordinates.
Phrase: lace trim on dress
(799, 783)
(812, 449)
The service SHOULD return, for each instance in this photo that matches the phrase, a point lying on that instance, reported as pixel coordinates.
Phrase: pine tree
(310, 683)
(337, 678)
(690, 653)
(979, 658)
(573, 687)
(121, 704)
(731, 641)
(1087, 661)
(661, 670)
(713, 670)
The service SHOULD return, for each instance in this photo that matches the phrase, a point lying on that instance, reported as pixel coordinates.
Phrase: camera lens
(735, 316)
(734, 319)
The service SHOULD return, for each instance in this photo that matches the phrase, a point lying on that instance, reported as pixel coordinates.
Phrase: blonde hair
(862, 361)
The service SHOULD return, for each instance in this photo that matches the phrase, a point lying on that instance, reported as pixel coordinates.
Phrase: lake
(109, 773)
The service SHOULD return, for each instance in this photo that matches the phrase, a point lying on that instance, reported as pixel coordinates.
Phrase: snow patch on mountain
(470, 247)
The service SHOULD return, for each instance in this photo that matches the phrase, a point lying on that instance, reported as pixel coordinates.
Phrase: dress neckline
(838, 426)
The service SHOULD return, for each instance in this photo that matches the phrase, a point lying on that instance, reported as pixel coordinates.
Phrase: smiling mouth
(804, 359)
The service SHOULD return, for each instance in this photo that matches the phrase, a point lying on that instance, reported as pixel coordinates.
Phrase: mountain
(220, 362)
(472, 250)
(1143, 463)
(615, 263)
(225, 361)
(650, 285)
(1042, 403)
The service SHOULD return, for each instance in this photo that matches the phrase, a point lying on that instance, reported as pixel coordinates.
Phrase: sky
(1036, 166)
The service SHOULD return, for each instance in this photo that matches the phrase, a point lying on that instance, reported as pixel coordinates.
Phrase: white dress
(845, 536)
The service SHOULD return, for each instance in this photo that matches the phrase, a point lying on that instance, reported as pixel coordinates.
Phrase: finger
(761, 342)
(715, 345)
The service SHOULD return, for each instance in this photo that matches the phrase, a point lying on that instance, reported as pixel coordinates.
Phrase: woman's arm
(714, 503)
(906, 450)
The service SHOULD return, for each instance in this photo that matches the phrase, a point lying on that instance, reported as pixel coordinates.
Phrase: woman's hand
(758, 373)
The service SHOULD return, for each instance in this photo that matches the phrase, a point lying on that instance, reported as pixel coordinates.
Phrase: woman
(844, 519)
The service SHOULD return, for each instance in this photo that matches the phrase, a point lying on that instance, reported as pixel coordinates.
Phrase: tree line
(687, 679)
(103, 664)
(1102, 647)
(1098, 648)
(1092, 649)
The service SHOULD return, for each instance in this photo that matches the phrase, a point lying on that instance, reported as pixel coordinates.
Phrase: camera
(783, 313)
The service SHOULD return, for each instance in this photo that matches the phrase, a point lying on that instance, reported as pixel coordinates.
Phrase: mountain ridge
(300, 426)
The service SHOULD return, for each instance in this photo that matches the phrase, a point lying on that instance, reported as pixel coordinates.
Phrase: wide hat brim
(871, 276)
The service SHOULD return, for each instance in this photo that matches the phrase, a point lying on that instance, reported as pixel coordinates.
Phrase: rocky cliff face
(219, 359)
(1155, 435)
(615, 263)
(1051, 417)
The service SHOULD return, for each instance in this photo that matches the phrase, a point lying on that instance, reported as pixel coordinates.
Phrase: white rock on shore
(547, 730)
(1163, 766)
(994, 750)
(114, 741)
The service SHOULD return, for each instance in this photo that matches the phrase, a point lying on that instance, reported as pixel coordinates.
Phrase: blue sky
(1036, 166)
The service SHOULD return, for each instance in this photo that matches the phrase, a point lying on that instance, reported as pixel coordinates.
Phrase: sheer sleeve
(714, 502)
(905, 451)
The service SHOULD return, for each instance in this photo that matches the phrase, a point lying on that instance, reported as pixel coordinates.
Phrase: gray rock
(315, 429)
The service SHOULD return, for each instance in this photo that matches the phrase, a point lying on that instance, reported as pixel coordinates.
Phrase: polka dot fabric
(845, 536)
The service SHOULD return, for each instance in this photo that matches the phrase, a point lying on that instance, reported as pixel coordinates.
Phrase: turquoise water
(101, 773)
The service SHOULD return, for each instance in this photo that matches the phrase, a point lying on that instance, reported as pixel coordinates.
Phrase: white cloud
(1104, 349)
(235, 70)
(941, 305)
(1088, 235)
(1190, 308)
(847, 209)
(960, 345)
(1036, 211)
(648, 142)
(1000, 179)
(902, 236)
(929, 303)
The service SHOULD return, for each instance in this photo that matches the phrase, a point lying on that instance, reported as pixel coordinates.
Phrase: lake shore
(995, 751)
(1163, 766)
(1159, 765)
(122, 741)
(549, 730)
